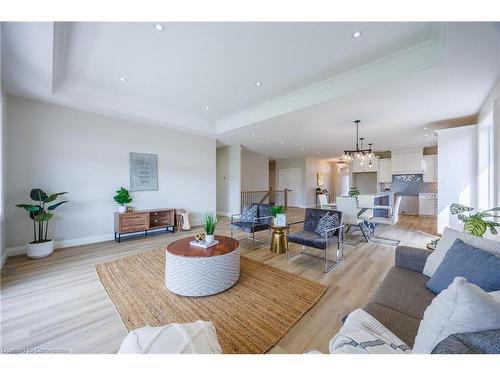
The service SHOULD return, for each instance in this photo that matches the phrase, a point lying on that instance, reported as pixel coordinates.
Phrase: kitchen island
(377, 199)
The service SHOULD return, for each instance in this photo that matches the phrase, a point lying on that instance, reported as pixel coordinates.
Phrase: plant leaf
(493, 230)
(462, 218)
(456, 208)
(38, 195)
(475, 226)
(29, 207)
(54, 206)
(53, 197)
(46, 216)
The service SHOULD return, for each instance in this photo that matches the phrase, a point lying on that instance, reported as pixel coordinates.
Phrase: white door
(291, 179)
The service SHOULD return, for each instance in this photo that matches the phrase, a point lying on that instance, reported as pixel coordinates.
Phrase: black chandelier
(359, 153)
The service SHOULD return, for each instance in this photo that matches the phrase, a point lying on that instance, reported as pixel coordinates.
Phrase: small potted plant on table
(41, 246)
(278, 214)
(122, 197)
(209, 222)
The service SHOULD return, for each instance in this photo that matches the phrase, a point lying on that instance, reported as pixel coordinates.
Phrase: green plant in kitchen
(275, 210)
(122, 196)
(40, 213)
(209, 222)
(476, 224)
(353, 192)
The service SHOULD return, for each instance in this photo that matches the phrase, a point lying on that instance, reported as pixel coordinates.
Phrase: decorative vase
(186, 225)
(209, 238)
(40, 249)
(122, 209)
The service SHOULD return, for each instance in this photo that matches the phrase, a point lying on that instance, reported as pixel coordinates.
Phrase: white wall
(254, 171)
(457, 172)
(313, 166)
(62, 149)
(228, 179)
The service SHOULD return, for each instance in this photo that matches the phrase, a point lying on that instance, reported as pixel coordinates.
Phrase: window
(485, 169)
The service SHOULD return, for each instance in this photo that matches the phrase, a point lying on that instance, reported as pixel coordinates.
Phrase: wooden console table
(144, 221)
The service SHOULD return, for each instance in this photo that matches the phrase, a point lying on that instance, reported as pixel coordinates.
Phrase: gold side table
(278, 240)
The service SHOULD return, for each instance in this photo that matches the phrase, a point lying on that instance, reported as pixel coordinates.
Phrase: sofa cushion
(249, 214)
(404, 291)
(363, 334)
(264, 210)
(403, 326)
(311, 239)
(477, 266)
(444, 244)
(460, 308)
(187, 338)
(327, 221)
(484, 342)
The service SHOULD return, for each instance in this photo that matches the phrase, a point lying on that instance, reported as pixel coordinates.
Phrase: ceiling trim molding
(424, 55)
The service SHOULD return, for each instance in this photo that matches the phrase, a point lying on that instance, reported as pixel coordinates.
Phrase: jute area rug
(251, 317)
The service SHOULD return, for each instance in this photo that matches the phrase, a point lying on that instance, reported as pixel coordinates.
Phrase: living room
(175, 187)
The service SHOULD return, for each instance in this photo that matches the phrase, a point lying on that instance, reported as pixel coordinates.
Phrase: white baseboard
(18, 250)
(23, 249)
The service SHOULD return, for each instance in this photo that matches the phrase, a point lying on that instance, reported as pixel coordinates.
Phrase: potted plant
(354, 192)
(476, 224)
(41, 245)
(209, 222)
(278, 214)
(122, 197)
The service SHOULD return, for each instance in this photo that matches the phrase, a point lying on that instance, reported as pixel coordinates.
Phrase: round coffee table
(194, 271)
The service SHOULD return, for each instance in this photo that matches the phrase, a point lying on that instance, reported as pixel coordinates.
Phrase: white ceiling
(315, 77)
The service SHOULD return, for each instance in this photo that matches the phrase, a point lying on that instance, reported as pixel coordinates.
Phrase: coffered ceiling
(283, 89)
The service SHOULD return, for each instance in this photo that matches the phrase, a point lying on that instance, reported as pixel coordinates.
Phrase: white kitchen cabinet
(359, 166)
(407, 162)
(427, 204)
(384, 171)
(430, 168)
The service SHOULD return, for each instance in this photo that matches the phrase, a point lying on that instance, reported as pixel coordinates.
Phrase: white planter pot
(40, 250)
(280, 220)
(122, 209)
(209, 238)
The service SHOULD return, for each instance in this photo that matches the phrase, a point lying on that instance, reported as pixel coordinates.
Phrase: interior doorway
(291, 179)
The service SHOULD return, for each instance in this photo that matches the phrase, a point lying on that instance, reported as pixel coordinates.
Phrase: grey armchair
(260, 223)
(309, 238)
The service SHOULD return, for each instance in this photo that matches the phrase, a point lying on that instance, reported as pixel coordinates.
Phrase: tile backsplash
(411, 184)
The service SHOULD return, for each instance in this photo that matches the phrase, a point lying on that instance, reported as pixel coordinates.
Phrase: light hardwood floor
(58, 302)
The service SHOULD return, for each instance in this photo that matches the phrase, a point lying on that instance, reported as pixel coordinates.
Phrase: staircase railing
(278, 197)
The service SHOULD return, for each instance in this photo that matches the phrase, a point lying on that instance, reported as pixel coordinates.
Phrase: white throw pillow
(188, 338)
(444, 244)
(462, 307)
(363, 334)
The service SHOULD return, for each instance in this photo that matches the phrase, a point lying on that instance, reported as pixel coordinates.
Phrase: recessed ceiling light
(159, 27)
(207, 108)
(282, 142)
(356, 34)
(258, 83)
(123, 79)
(426, 134)
(425, 128)
(253, 134)
(302, 148)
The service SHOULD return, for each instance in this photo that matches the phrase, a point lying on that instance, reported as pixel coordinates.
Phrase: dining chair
(392, 219)
(349, 208)
(324, 204)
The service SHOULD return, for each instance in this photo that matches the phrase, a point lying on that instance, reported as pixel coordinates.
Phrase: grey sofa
(401, 300)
